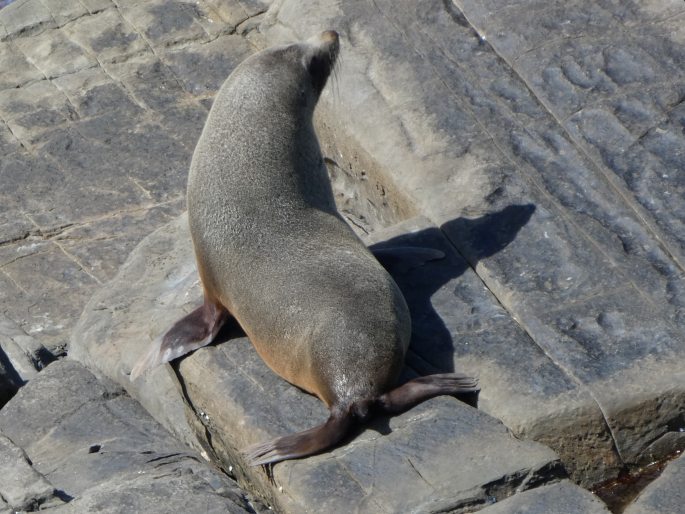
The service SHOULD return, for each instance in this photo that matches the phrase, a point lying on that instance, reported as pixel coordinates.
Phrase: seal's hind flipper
(401, 259)
(312, 441)
(197, 329)
(420, 389)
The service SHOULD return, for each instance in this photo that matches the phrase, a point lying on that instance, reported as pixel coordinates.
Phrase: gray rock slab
(16, 68)
(204, 68)
(561, 498)
(9, 379)
(21, 357)
(22, 487)
(161, 395)
(100, 107)
(441, 455)
(666, 495)
(54, 54)
(24, 18)
(592, 276)
(107, 35)
(100, 450)
(621, 103)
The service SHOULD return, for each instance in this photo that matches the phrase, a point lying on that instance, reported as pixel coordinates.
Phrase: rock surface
(665, 494)
(101, 103)
(78, 440)
(563, 497)
(22, 488)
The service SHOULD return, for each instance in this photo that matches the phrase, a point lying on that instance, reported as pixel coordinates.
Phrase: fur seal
(273, 252)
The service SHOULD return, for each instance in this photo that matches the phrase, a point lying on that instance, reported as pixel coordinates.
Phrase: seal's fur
(273, 251)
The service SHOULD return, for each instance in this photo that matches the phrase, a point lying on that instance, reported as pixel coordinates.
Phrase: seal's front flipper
(312, 441)
(404, 258)
(197, 329)
(421, 389)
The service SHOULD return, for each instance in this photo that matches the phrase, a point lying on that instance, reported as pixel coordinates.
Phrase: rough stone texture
(564, 497)
(444, 454)
(666, 495)
(100, 106)
(89, 444)
(458, 125)
(22, 487)
(21, 357)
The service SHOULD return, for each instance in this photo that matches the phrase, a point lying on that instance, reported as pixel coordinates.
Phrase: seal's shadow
(432, 347)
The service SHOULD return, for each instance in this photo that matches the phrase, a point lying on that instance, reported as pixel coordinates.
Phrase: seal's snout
(330, 44)
(322, 56)
(329, 36)
(327, 43)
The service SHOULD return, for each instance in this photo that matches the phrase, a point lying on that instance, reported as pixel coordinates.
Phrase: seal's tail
(322, 437)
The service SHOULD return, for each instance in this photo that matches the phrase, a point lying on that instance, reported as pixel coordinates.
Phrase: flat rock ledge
(71, 443)
(441, 456)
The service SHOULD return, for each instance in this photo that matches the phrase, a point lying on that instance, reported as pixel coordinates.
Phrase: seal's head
(320, 58)
(298, 72)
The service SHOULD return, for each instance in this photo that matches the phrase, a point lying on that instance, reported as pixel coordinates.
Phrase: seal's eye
(319, 69)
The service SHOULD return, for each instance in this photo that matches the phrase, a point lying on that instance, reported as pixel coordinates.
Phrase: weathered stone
(165, 23)
(22, 487)
(105, 181)
(54, 54)
(158, 493)
(34, 108)
(95, 6)
(184, 122)
(64, 11)
(203, 69)
(35, 411)
(236, 12)
(102, 451)
(150, 81)
(564, 497)
(407, 462)
(17, 71)
(92, 92)
(619, 103)
(25, 181)
(103, 245)
(24, 353)
(61, 276)
(23, 18)
(665, 495)
(107, 35)
(88, 166)
(463, 112)
(8, 141)
(161, 395)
